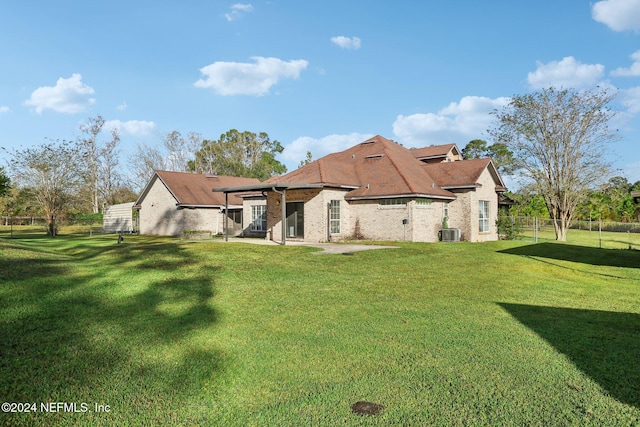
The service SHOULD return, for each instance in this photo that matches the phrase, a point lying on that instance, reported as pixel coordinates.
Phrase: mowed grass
(167, 332)
(595, 239)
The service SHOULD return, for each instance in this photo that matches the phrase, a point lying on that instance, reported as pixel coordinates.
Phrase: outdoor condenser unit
(451, 235)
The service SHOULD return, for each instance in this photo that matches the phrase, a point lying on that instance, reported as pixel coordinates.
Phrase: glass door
(295, 220)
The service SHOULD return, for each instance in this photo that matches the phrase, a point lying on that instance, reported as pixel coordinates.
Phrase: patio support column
(283, 193)
(226, 217)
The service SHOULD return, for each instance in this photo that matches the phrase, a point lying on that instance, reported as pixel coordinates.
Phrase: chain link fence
(602, 234)
(24, 226)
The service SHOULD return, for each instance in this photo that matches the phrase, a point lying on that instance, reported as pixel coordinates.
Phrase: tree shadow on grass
(604, 345)
(71, 334)
(580, 254)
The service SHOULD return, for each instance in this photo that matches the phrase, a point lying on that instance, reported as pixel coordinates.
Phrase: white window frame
(393, 202)
(259, 218)
(483, 216)
(334, 217)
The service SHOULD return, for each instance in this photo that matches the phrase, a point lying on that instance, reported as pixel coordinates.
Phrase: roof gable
(445, 152)
(190, 189)
(463, 174)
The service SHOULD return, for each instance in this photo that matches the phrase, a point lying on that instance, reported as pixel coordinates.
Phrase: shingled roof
(195, 190)
(463, 174)
(379, 168)
(375, 168)
(435, 152)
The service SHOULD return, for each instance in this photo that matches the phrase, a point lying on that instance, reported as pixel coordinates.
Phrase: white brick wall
(382, 222)
(160, 216)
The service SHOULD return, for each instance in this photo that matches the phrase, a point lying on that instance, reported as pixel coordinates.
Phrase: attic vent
(374, 156)
(371, 141)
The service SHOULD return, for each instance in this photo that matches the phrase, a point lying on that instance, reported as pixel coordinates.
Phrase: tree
(176, 154)
(240, 154)
(180, 151)
(475, 149)
(101, 161)
(5, 182)
(308, 159)
(51, 174)
(108, 175)
(558, 137)
(143, 163)
(500, 154)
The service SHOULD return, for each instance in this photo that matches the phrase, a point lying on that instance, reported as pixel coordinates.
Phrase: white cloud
(67, 96)
(567, 73)
(131, 127)
(346, 42)
(619, 15)
(4, 109)
(297, 150)
(122, 106)
(241, 78)
(633, 71)
(237, 10)
(458, 122)
(630, 99)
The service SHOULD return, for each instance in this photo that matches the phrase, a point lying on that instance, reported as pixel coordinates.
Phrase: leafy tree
(240, 154)
(528, 204)
(558, 137)
(5, 182)
(308, 159)
(51, 174)
(475, 149)
(122, 194)
(501, 155)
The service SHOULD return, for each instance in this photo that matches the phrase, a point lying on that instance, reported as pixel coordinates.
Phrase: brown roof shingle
(434, 151)
(190, 189)
(376, 168)
(380, 168)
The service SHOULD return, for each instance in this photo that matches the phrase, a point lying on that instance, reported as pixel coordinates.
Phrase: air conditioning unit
(451, 235)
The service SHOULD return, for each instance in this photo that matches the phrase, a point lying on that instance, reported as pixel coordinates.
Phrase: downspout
(284, 214)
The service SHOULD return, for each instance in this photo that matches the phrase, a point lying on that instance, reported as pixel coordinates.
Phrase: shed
(118, 218)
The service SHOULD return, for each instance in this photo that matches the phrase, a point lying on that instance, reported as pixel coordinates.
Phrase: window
(483, 211)
(334, 216)
(423, 202)
(259, 218)
(393, 202)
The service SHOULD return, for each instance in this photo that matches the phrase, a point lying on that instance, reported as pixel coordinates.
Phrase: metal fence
(603, 234)
(31, 225)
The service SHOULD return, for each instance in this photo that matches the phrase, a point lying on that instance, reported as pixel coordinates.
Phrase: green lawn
(605, 240)
(167, 332)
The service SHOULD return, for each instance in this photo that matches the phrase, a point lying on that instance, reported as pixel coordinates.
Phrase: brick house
(377, 190)
(176, 202)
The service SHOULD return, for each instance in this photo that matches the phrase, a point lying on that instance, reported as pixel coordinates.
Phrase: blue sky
(315, 75)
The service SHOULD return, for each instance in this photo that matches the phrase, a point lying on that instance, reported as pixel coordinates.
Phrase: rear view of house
(173, 203)
(379, 190)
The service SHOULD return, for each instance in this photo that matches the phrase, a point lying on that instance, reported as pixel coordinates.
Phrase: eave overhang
(400, 196)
